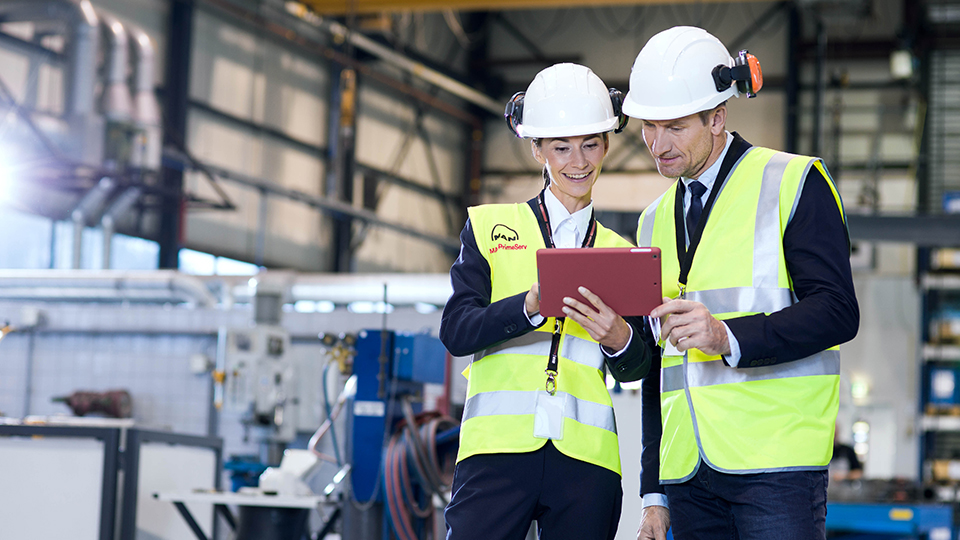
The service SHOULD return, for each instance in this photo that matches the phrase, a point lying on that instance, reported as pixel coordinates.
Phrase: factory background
(226, 208)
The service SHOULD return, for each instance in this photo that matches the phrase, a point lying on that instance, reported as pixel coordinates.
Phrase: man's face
(683, 147)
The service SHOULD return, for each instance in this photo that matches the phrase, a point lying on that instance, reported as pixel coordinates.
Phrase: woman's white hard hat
(672, 76)
(567, 100)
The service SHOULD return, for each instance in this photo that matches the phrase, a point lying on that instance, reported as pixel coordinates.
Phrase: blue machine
(419, 358)
(391, 369)
(864, 521)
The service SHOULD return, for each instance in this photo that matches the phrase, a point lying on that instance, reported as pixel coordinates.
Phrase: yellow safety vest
(504, 380)
(747, 419)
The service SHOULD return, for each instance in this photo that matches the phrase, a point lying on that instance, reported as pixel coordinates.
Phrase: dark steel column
(816, 132)
(175, 105)
(475, 24)
(792, 82)
(341, 159)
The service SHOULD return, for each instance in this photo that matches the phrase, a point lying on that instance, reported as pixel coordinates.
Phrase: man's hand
(532, 301)
(603, 325)
(691, 326)
(654, 522)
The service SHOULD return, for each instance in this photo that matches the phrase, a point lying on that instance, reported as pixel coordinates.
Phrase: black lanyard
(553, 361)
(685, 254)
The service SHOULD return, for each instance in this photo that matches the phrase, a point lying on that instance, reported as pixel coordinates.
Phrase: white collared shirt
(708, 178)
(568, 229)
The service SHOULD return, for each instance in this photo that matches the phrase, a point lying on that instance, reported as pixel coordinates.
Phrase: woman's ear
(537, 154)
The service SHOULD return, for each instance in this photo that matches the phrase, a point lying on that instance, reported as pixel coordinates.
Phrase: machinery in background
(402, 454)
(256, 378)
(399, 454)
(112, 403)
(260, 385)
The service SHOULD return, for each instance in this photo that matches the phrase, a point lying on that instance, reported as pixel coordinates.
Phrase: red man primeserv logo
(501, 233)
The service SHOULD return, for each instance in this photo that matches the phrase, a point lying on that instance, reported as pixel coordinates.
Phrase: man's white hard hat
(672, 76)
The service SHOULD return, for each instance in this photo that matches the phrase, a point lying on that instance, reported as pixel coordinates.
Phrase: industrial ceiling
(342, 7)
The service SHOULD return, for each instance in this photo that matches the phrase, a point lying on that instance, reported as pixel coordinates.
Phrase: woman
(535, 445)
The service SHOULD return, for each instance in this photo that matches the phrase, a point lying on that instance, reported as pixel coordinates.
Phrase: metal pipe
(109, 220)
(111, 285)
(403, 289)
(116, 101)
(146, 109)
(108, 228)
(83, 39)
(28, 382)
(90, 204)
(79, 221)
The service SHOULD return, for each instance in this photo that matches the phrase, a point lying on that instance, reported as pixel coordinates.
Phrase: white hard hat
(672, 76)
(565, 100)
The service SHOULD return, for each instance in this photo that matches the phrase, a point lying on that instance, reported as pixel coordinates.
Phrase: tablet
(626, 279)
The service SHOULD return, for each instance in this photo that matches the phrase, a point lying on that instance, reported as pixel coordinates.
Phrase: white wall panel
(381, 133)
(295, 99)
(223, 66)
(239, 73)
(291, 226)
(884, 354)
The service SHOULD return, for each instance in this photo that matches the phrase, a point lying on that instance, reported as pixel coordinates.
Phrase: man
(758, 295)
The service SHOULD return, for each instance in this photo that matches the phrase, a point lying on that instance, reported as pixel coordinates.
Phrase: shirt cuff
(537, 319)
(605, 350)
(655, 499)
(732, 359)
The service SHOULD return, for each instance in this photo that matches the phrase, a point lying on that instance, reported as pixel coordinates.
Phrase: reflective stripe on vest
(715, 372)
(515, 402)
(573, 348)
(743, 299)
(645, 227)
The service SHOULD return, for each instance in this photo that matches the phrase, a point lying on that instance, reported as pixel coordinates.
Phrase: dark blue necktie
(696, 206)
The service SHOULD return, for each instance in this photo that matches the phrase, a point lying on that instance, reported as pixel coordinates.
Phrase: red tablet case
(626, 279)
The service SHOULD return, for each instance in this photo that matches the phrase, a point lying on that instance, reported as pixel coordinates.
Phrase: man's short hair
(705, 115)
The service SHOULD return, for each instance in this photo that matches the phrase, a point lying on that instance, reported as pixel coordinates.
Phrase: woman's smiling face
(573, 164)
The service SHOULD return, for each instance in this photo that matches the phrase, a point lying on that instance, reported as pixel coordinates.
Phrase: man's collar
(709, 176)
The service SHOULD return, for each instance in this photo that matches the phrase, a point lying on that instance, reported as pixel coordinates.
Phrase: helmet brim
(567, 131)
(645, 112)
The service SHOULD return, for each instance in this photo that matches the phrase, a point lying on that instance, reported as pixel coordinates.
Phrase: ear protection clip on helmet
(616, 98)
(513, 113)
(745, 73)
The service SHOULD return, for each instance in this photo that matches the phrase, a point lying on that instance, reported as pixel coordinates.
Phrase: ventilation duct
(146, 110)
(106, 286)
(116, 102)
(84, 137)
